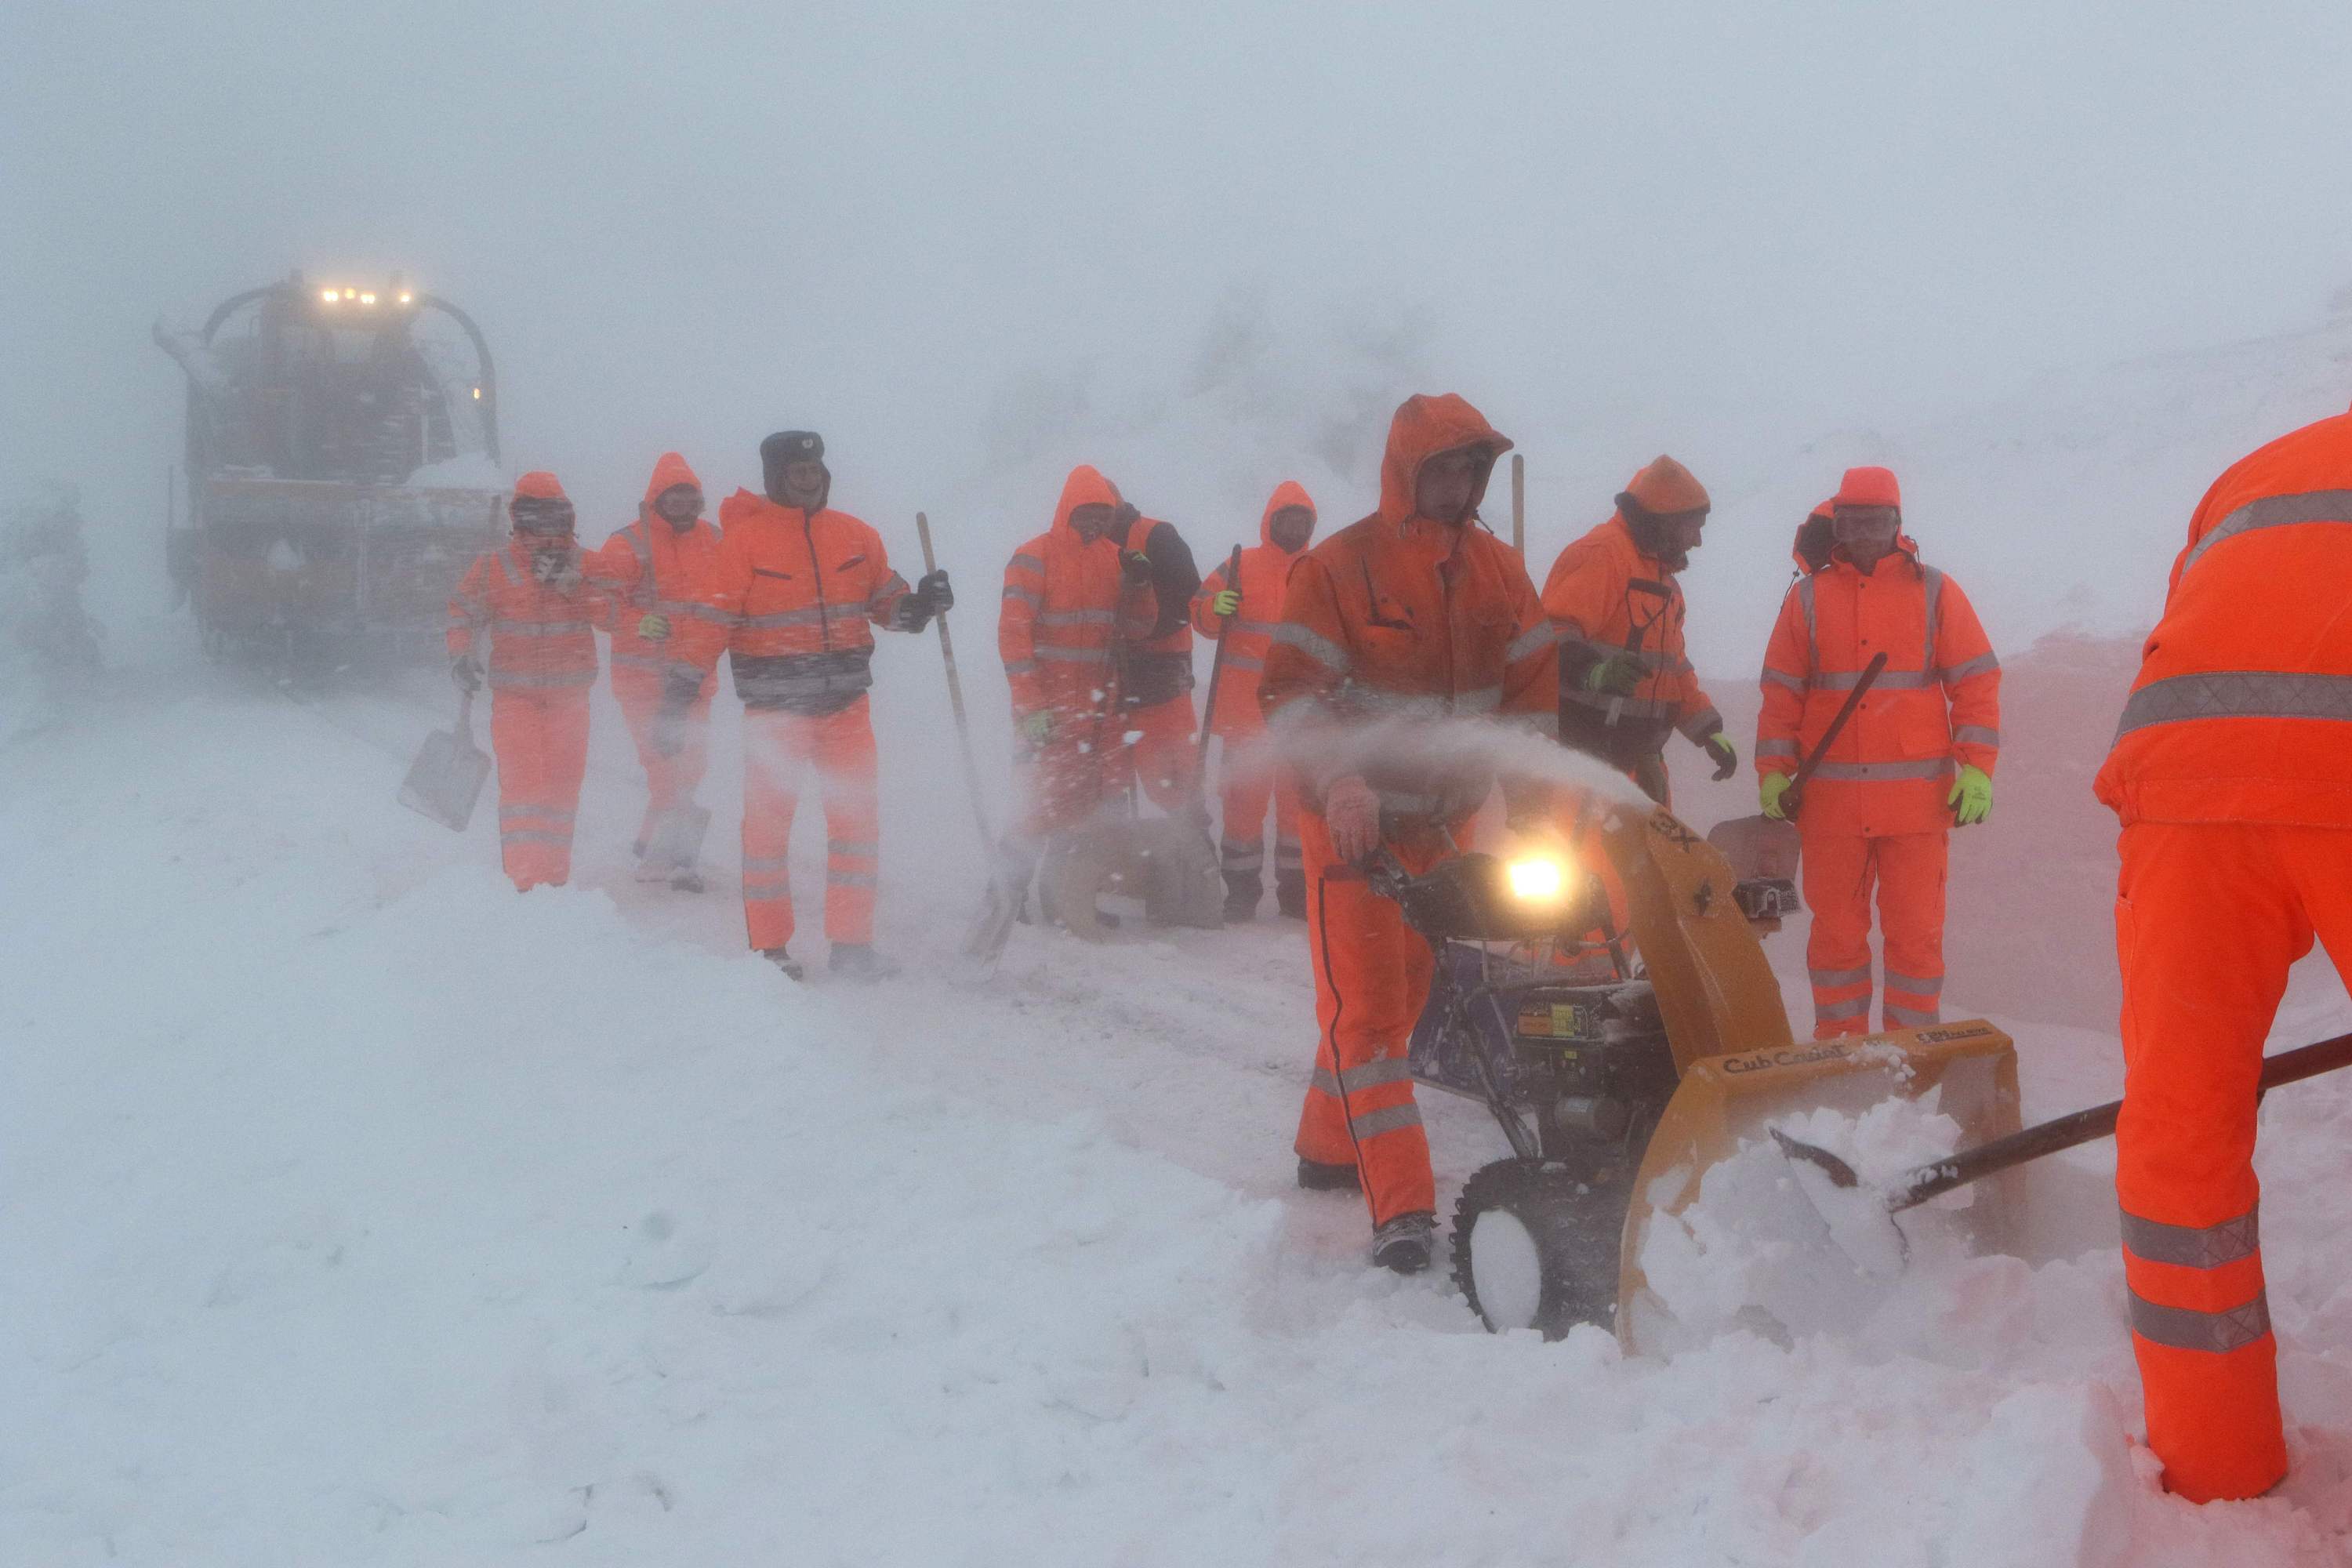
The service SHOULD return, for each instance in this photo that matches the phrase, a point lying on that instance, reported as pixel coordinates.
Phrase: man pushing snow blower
(1413, 613)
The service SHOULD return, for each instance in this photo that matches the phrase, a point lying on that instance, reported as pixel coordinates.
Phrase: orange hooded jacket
(806, 590)
(651, 568)
(1398, 616)
(1936, 703)
(1065, 605)
(1264, 574)
(542, 635)
(2243, 710)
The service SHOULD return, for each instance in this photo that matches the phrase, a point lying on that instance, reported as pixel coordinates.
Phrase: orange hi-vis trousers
(540, 740)
(1372, 973)
(2208, 918)
(671, 781)
(1167, 756)
(777, 747)
(1841, 871)
(1251, 783)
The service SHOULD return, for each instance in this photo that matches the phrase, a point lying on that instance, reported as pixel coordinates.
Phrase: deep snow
(359, 1211)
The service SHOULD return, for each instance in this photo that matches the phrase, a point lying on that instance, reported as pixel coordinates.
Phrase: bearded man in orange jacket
(2231, 774)
(1415, 613)
(1916, 757)
(806, 585)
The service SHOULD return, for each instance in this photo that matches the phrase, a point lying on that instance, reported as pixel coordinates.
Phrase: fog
(960, 240)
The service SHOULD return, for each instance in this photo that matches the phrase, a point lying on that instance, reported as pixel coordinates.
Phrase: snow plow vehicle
(1619, 1086)
(342, 470)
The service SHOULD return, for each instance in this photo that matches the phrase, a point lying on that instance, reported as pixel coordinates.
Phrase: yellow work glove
(1035, 728)
(1971, 796)
(1775, 785)
(1226, 605)
(653, 628)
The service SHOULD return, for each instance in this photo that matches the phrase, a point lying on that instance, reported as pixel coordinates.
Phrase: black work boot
(1242, 894)
(1316, 1176)
(1402, 1245)
(858, 961)
(1290, 894)
(784, 961)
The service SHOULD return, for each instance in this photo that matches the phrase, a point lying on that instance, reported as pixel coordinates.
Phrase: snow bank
(360, 1212)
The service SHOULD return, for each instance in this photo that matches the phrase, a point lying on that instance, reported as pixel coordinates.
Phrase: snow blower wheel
(1535, 1249)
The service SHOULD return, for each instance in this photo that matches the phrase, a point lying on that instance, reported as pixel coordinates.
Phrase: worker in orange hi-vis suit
(1615, 598)
(1243, 614)
(1070, 596)
(806, 585)
(1413, 613)
(1916, 757)
(669, 624)
(2231, 774)
(540, 612)
(1154, 670)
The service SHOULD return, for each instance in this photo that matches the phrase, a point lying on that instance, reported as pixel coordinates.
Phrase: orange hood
(1288, 493)
(1085, 487)
(1423, 426)
(669, 470)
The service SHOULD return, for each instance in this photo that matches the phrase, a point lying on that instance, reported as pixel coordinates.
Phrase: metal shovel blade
(1859, 1221)
(445, 779)
(677, 837)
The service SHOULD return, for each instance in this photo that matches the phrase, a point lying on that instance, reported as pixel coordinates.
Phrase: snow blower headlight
(1539, 879)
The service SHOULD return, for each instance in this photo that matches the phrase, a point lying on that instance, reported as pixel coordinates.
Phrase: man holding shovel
(1915, 756)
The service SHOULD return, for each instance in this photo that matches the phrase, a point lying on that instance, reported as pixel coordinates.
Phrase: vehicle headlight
(1537, 879)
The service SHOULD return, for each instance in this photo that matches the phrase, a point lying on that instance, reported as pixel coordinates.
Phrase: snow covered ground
(358, 1211)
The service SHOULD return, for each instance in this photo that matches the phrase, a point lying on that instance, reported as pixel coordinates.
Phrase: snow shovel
(1763, 850)
(447, 777)
(1861, 1219)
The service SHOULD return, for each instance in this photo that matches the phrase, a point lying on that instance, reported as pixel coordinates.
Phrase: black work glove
(1134, 568)
(466, 672)
(938, 598)
(1727, 755)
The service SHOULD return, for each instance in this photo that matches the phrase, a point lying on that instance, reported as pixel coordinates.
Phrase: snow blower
(1619, 1084)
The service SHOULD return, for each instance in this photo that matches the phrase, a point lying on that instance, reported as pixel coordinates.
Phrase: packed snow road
(359, 1210)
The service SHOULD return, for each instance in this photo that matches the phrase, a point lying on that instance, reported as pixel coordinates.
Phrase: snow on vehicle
(1620, 1084)
(342, 463)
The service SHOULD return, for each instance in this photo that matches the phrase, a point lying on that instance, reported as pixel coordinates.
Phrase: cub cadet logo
(1794, 1056)
(1672, 831)
(1937, 1037)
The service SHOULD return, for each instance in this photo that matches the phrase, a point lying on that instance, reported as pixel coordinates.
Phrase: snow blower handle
(1793, 799)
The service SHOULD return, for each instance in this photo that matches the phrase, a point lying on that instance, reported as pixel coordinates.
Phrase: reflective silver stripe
(1322, 1081)
(1776, 747)
(1840, 976)
(1830, 1012)
(1372, 1123)
(548, 813)
(1315, 646)
(1789, 681)
(1889, 681)
(642, 589)
(1976, 666)
(1076, 617)
(639, 662)
(1812, 621)
(1912, 1017)
(2275, 511)
(1028, 563)
(1701, 725)
(533, 836)
(1020, 667)
(1533, 640)
(1977, 735)
(766, 891)
(2238, 694)
(1372, 1074)
(1288, 857)
(849, 879)
(1244, 661)
(1241, 856)
(1029, 597)
(1624, 707)
(509, 678)
(892, 586)
(2184, 1329)
(756, 864)
(695, 609)
(2194, 1247)
(540, 628)
(1264, 628)
(473, 608)
(1915, 984)
(1925, 768)
(1075, 655)
(852, 846)
(807, 617)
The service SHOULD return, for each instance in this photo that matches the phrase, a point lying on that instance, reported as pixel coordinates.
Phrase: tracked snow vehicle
(342, 470)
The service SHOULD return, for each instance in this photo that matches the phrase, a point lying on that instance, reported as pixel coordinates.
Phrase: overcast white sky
(690, 224)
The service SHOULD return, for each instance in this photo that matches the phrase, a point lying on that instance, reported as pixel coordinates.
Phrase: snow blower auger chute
(1621, 1085)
